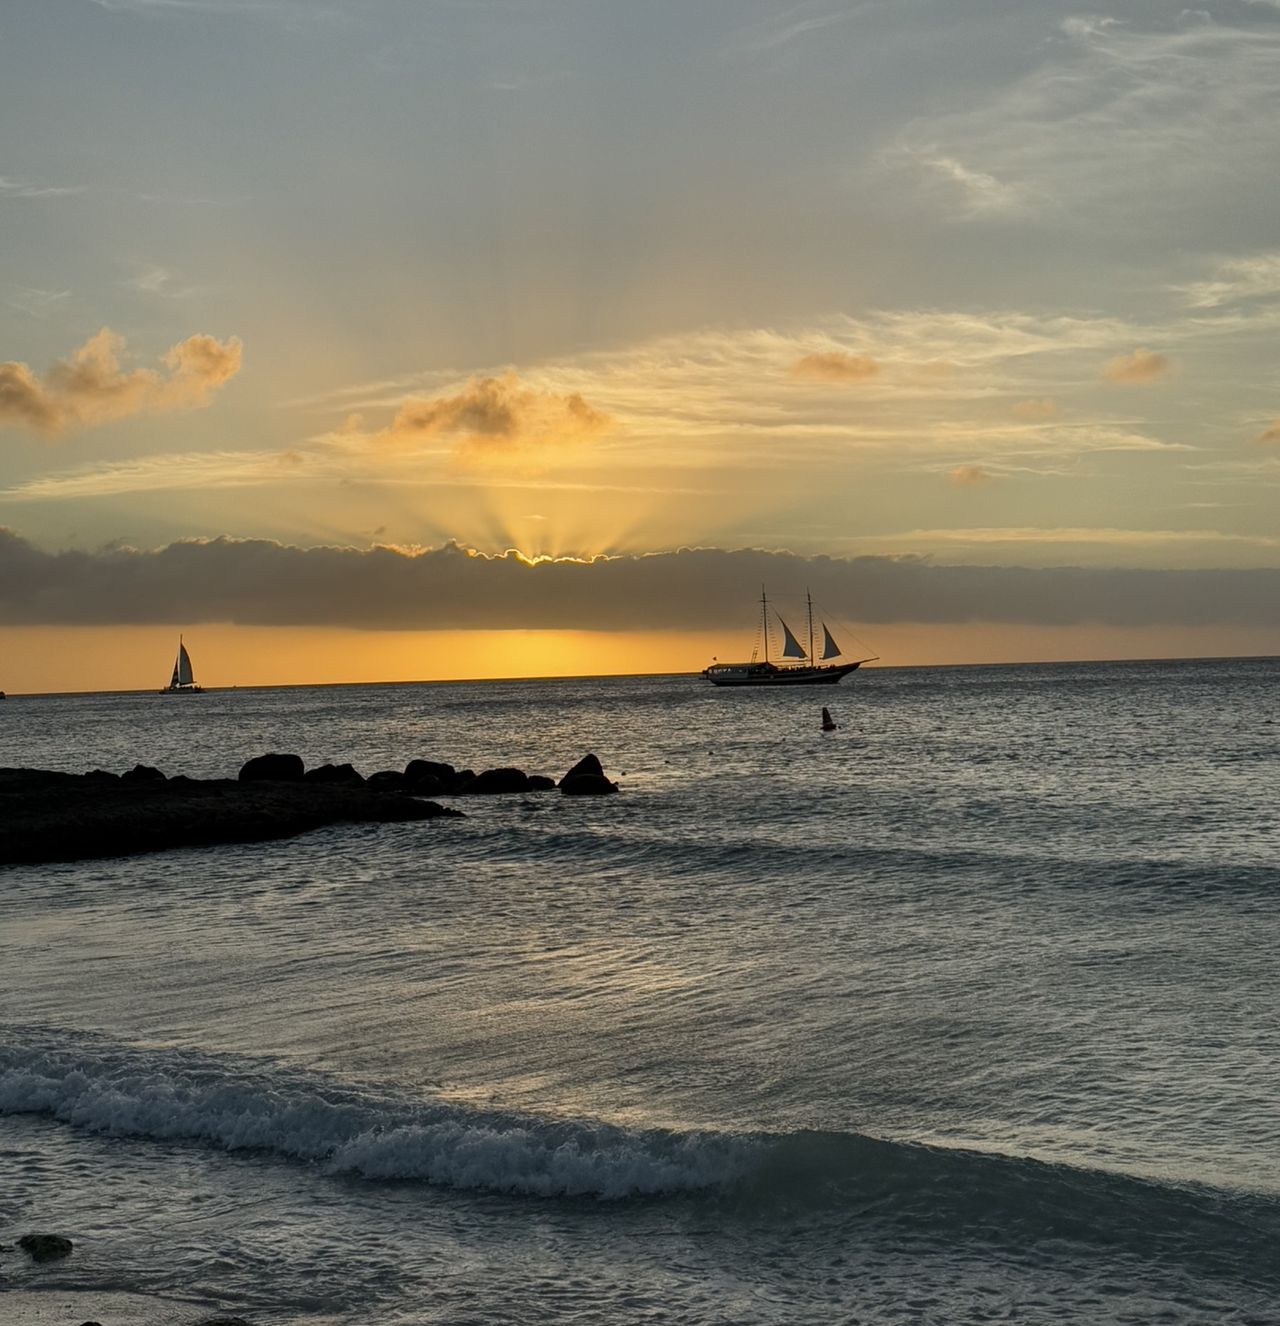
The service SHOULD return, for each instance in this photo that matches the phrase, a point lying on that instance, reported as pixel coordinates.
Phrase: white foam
(146, 1094)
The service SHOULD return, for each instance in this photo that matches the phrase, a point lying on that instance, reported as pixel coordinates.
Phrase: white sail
(791, 647)
(829, 647)
(182, 669)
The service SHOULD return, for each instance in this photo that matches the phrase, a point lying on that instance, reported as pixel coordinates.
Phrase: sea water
(966, 1012)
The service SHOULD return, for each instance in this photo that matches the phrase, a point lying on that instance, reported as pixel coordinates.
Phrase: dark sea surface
(967, 1012)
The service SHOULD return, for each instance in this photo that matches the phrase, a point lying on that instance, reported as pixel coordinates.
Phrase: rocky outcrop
(142, 773)
(45, 1247)
(589, 764)
(417, 771)
(48, 816)
(497, 782)
(541, 783)
(587, 785)
(334, 773)
(272, 768)
(587, 779)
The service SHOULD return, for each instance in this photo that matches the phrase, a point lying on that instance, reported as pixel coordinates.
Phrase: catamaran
(182, 682)
(800, 666)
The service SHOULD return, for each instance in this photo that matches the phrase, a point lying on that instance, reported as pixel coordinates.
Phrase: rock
(63, 817)
(45, 1247)
(221, 1321)
(102, 776)
(497, 782)
(142, 773)
(426, 786)
(540, 783)
(272, 768)
(589, 764)
(334, 773)
(419, 769)
(386, 780)
(586, 785)
(461, 780)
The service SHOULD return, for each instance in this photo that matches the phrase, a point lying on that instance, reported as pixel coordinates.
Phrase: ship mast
(764, 622)
(808, 598)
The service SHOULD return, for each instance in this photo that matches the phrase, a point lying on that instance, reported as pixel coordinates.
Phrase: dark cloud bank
(256, 582)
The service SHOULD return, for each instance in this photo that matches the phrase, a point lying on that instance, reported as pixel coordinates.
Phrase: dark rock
(386, 780)
(334, 773)
(461, 780)
(426, 786)
(63, 817)
(142, 773)
(102, 776)
(589, 764)
(181, 780)
(419, 769)
(586, 785)
(45, 1247)
(221, 1321)
(540, 783)
(498, 782)
(90, 1323)
(272, 768)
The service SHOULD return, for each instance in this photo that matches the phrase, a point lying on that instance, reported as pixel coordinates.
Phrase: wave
(181, 1096)
(901, 1189)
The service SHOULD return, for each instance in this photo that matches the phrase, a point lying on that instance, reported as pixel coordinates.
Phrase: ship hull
(758, 674)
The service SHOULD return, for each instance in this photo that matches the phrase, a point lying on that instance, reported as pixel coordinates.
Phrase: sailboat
(182, 682)
(799, 666)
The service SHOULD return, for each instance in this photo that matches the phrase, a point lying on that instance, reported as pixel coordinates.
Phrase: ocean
(966, 1012)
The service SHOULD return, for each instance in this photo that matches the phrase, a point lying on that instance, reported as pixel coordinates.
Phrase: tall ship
(796, 665)
(183, 681)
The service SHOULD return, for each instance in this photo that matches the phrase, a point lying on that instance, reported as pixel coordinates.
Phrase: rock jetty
(50, 816)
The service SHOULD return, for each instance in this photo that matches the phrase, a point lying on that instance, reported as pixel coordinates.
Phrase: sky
(365, 339)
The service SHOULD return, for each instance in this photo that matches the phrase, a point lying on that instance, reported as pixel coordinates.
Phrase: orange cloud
(1038, 408)
(1269, 437)
(495, 416)
(1140, 367)
(835, 366)
(970, 476)
(91, 387)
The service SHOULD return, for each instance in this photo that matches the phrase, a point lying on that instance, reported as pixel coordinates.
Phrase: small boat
(800, 666)
(183, 681)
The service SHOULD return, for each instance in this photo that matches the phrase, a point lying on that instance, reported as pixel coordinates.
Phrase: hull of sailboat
(768, 675)
(183, 690)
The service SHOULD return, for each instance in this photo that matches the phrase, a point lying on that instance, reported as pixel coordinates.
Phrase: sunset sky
(328, 327)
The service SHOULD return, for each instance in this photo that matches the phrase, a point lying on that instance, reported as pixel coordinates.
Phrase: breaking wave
(889, 1187)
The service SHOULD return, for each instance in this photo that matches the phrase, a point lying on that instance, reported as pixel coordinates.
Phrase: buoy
(829, 724)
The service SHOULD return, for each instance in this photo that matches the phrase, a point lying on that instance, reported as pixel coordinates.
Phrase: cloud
(970, 476)
(971, 193)
(264, 583)
(91, 387)
(499, 417)
(1254, 277)
(38, 303)
(1038, 407)
(1126, 120)
(1137, 367)
(11, 188)
(836, 366)
(1270, 436)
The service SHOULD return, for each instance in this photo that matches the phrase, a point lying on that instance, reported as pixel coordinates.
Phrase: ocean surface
(967, 1012)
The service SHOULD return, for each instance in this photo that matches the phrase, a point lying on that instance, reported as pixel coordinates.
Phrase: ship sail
(791, 647)
(183, 680)
(829, 647)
